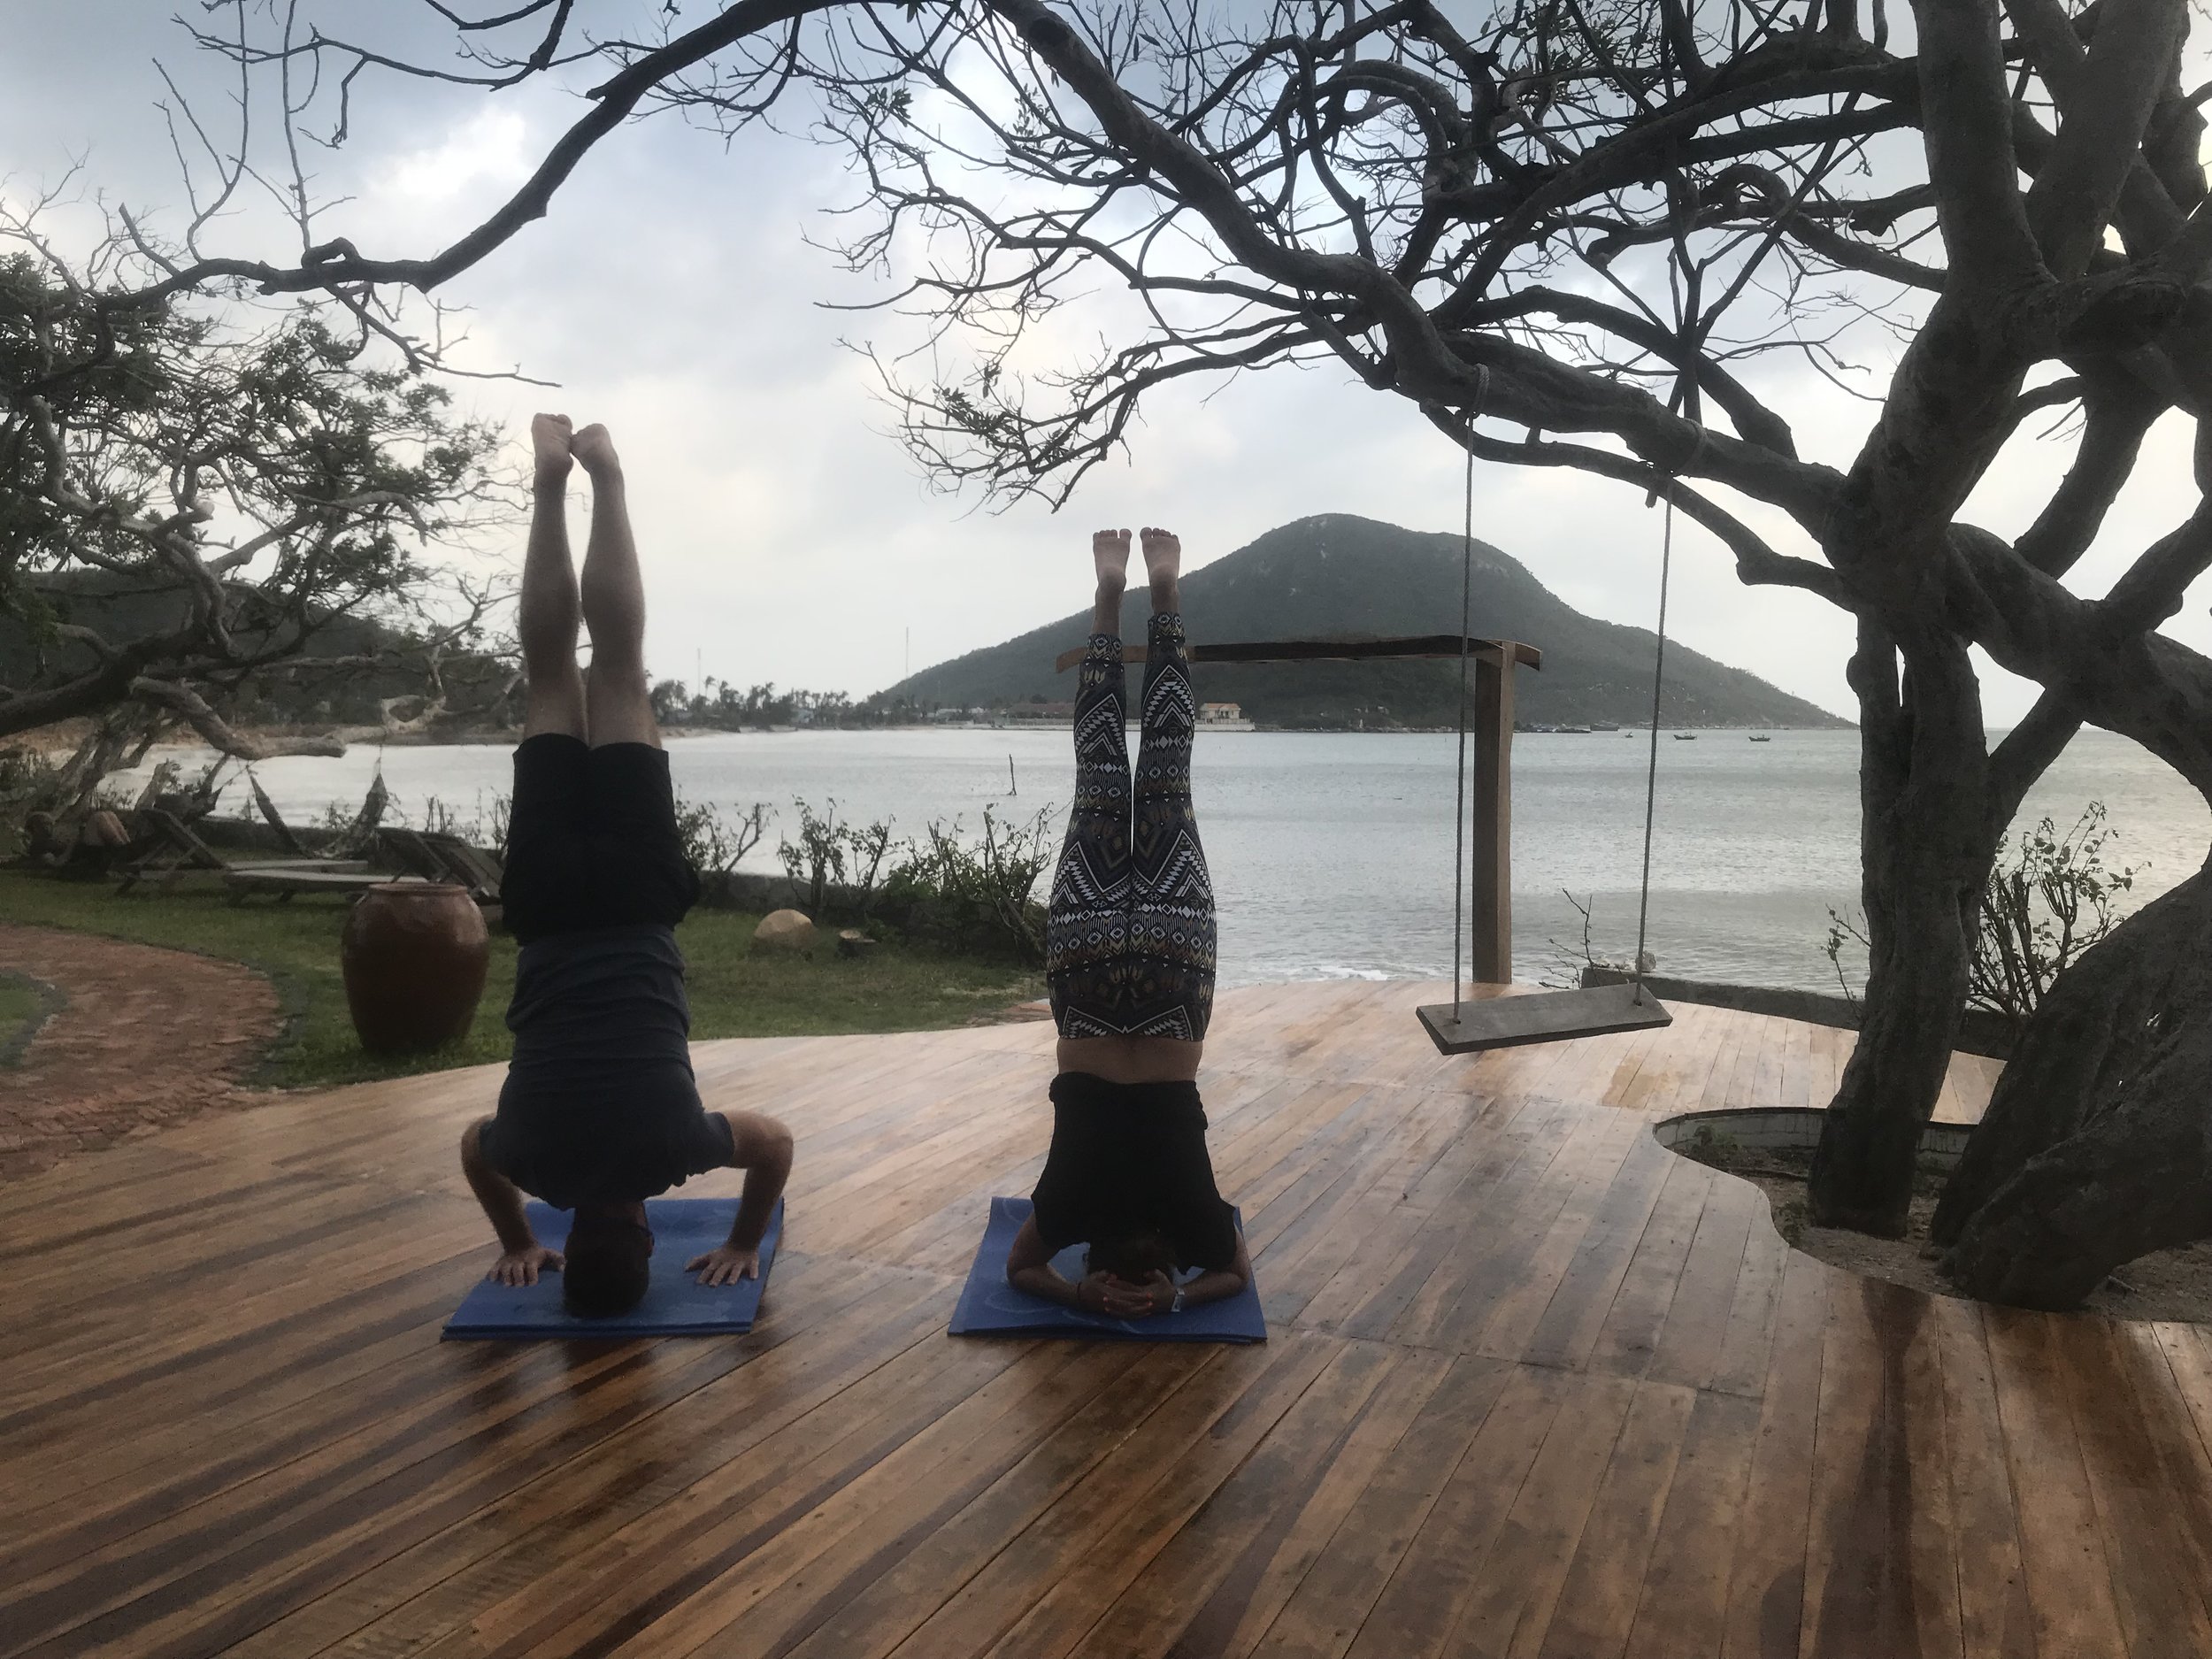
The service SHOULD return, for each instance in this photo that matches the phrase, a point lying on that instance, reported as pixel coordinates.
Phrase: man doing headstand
(1129, 959)
(600, 1110)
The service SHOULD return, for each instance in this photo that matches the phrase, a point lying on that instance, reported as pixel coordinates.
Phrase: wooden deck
(1536, 1388)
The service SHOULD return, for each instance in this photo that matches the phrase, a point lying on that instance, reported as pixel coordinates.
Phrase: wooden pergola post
(1490, 875)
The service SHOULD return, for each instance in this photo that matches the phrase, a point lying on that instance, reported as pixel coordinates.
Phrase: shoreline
(56, 743)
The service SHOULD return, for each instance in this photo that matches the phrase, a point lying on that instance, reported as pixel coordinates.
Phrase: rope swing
(1508, 1021)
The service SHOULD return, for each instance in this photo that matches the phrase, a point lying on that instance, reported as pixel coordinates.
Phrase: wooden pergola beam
(1412, 645)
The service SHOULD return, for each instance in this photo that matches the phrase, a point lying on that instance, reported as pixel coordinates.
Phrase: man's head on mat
(609, 1261)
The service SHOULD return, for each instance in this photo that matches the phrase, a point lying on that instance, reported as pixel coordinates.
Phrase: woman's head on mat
(609, 1261)
(1132, 1254)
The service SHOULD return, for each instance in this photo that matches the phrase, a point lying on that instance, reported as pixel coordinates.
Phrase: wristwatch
(1177, 1305)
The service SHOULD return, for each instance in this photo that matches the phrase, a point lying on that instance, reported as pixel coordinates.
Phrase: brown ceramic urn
(414, 955)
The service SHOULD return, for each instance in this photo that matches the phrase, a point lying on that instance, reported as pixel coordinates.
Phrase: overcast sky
(671, 294)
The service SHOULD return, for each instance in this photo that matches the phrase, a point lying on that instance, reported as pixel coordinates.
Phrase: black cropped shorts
(592, 842)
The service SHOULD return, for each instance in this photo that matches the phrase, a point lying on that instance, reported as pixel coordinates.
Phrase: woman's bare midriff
(1132, 1059)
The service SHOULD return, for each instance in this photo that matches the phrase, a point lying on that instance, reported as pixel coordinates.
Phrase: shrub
(978, 895)
(2041, 908)
(2041, 911)
(715, 844)
(828, 851)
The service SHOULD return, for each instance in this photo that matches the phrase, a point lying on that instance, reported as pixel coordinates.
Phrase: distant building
(1038, 713)
(1224, 716)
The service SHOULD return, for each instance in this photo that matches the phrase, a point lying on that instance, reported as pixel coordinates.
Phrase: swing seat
(1507, 1022)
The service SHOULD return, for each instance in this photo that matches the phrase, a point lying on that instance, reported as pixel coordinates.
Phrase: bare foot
(1110, 555)
(595, 449)
(1162, 566)
(550, 438)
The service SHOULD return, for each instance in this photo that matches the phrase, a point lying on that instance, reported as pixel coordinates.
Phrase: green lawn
(21, 1002)
(734, 992)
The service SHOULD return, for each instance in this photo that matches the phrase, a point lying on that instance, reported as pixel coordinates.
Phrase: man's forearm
(501, 1198)
(764, 1185)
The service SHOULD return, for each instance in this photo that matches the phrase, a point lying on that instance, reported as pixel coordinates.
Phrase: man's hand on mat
(724, 1264)
(522, 1267)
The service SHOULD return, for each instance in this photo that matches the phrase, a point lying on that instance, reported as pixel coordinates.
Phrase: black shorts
(592, 840)
(606, 1148)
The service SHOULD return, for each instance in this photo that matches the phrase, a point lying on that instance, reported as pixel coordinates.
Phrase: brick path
(148, 1037)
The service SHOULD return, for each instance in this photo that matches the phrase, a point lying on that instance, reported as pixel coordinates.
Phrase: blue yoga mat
(991, 1307)
(675, 1303)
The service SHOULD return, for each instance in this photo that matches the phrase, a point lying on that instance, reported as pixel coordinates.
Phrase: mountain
(1336, 575)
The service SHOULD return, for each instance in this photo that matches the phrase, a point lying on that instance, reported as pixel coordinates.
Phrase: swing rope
(1651, 766)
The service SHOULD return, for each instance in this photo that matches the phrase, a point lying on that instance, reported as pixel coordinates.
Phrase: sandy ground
(2166, 1285)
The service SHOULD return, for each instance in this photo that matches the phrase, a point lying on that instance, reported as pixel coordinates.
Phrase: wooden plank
(1323, 1618)
(2069, 1589)
(1501, 1151)
(1052, 1582)
(1879, 1576)
(1596, 1609)
(725, 1498)
(1492, 1274)
(1149, 1413)
(2158, 1577)
(272, 1545)
(1552, 1314)
(1627, 1338)
(788, 1405)
(2162, 1411)
(1993, 1617)
(1273, 1519)
(1507, 1022)
(1766, 1583)
(1695, 1328)
(1517, 1588)
(1683, 1607)
(1419, 1608)
(1148, 1572)
(1745, 1355)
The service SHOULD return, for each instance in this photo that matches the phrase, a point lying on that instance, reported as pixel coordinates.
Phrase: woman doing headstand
(1129, 957)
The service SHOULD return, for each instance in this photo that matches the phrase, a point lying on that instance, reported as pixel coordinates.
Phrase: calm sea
(1332, 853)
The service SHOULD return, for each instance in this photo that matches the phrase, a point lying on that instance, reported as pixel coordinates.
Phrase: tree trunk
(2094, 1149)
(1922, 770)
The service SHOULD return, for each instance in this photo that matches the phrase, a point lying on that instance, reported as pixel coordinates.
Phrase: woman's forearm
(1215, 1285)
(1043, 1280)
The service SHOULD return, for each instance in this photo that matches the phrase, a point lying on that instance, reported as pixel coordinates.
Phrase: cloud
(486, 155)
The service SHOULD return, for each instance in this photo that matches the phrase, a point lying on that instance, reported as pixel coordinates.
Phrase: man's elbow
(782, 1146)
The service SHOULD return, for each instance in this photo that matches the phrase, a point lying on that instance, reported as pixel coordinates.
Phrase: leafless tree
(1569, 231)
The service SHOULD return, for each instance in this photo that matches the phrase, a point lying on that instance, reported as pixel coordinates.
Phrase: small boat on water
(1761, 737)
(1685, 737)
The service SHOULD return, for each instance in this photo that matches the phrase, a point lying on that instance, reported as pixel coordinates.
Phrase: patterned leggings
(1129, 941)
